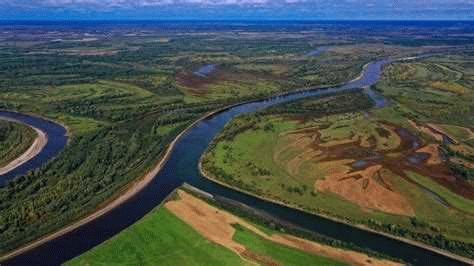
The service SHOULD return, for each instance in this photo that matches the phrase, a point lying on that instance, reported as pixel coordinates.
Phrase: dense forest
(125, 93)
(15, 139)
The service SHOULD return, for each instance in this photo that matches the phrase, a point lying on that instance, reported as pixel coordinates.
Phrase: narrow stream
(205, 70)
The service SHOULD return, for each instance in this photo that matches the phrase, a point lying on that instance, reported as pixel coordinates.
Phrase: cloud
(204, 3)
(346, 9)
(134, 3)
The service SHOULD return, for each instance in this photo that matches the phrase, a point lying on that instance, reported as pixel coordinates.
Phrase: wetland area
(347, 145)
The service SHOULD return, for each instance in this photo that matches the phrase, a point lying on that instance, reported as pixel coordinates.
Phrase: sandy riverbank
(130, 190)
(36, 147)
(445, 253)
(120, 197)
(216, 225)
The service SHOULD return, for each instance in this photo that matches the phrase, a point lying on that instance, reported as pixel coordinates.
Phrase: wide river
(182, 166)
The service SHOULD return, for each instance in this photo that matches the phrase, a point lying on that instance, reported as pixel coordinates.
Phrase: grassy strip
(159, 237)
(271, 225)
(280, 253)
(441, 228)
(452, 198)
(162, 237)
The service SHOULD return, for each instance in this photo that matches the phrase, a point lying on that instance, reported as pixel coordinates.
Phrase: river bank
(35, 148)
(135, 187)
(138, 198)
(468, 261)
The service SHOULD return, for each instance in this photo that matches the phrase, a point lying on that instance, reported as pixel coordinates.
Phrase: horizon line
(234, 20)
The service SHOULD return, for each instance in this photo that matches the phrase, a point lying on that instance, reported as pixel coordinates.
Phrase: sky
(238, 9)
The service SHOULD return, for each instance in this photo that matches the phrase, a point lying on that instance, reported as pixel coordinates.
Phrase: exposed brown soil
(261, 260)
(438, 127)
(439, 130)
(351, 257)
(363, 188)
(216, 225)
(301, 141)
(333, 143)
(199, 85)
(463, 162)
(295, 163)
(434, 154)
(427, 130)
(364, 184)
(212, 223)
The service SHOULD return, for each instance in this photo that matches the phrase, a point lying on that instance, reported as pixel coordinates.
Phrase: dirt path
(36, 147)
(216, 225)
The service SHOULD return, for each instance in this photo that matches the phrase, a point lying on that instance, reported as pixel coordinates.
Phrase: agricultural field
(188, 230)
(15, 139)
(336, 156)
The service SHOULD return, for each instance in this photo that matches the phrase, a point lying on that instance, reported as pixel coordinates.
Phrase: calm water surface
(57, 140)
(182, 166)
(205, 70)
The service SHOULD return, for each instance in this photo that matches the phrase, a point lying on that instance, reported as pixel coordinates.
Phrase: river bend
(182, 166)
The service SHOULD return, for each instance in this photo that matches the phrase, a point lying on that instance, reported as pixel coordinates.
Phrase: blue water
(182, 166)
(378, 99)
(57, 140)
(205, 70)
(359, 164)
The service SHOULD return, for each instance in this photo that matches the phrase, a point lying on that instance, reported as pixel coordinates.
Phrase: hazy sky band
(230, 9)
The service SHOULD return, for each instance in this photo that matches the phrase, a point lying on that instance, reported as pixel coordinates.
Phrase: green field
(438, 91)
(302, 154)
(278, 253)
(453, 199)
(125, 97)
(15, 139)
(161, 237)
(125, 94)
